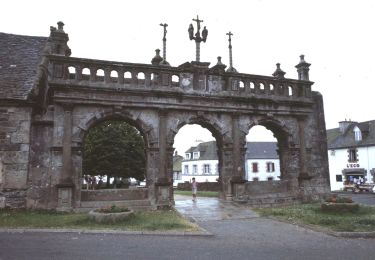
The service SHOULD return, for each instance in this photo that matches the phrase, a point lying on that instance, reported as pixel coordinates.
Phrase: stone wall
(114, 194)
(14, 154)
(202, 186)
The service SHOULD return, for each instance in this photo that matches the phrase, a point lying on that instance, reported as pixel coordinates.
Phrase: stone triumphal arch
(158, 99)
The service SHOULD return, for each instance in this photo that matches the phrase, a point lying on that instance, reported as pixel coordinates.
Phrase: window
(270, 179)
(195, 169)
(186, 169)
(339, 178)
(255, 167)
(270, 167)
(217, 168)
(196, 155)
(255, 179)
(177, 176)
(353, 157)
(187, 156)
(357, 134)
(333, 152)
(206, 169)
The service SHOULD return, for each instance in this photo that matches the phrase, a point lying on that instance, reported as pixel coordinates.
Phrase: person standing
(194, 187)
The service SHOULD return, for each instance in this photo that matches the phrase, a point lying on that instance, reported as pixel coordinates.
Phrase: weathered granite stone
(44, 120)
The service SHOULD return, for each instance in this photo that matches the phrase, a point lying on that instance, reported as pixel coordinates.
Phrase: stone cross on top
(230, 69)
(197, 38)
(198, 25)
(164, 61)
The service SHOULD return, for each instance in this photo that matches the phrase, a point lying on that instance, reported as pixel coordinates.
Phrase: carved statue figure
(204, 34)
(191, 31)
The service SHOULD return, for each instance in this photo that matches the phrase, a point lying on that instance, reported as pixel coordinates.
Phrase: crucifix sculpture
(164, 61)
(197, 37)
(230, 69)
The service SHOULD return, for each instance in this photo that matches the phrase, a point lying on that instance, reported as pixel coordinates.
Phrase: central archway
(114, 164)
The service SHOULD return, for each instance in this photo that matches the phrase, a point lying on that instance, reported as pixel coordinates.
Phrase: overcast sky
(336, 37)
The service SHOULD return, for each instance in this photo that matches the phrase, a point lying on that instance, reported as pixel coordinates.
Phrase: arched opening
(100, 75)
(114, 76)
(290, 91)
(197, 155)
(72, 72)
(86, 74)
(127, 77)
(262, 161)
(252, 87)
(175, 81)
(114, 162)
(241, 85)
(141, 78)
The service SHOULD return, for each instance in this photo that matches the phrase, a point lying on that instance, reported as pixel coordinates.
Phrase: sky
(336, 37)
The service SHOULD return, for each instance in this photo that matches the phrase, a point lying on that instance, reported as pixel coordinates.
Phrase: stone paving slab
(207, 209)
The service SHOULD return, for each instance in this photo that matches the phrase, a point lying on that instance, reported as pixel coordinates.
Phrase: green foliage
(113, 209)
(152, 220)
(362, 220)
(114, 148)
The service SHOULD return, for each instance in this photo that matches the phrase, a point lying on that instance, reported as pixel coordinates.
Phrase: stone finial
(279, 73)
(303, 68)
(157, 59)
(219, 61)
(219, 67)
(60, 26)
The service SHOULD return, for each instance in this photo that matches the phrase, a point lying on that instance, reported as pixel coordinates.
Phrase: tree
(115, 149)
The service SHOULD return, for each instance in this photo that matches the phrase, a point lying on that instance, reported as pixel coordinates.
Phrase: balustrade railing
(113, 74)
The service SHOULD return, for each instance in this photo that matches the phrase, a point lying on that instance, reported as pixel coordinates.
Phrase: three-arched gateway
(158, 100)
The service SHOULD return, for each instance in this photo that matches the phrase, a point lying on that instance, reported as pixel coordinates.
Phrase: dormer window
(357, 134)
(196, 155)
(187, 156)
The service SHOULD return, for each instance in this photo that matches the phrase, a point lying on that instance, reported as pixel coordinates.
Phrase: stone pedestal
(238, 187)
(65, 197)
(163, 195)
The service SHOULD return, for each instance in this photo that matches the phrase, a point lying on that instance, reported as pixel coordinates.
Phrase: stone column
(65, 186)
(237, 180)
(237, 155)
(67, 146)
(302, 151)
(163, 195)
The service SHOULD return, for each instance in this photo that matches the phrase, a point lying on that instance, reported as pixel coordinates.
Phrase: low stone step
(132, 204)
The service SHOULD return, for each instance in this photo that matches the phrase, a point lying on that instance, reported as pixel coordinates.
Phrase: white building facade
(351, 153)
(201, 162)
(262, 169)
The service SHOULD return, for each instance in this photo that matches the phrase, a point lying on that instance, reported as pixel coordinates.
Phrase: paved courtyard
(207, 209)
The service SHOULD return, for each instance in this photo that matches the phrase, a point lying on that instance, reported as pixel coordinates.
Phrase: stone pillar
(67, 146)
(65, 186)
(302, 152)
(163, 196)
(238, 162)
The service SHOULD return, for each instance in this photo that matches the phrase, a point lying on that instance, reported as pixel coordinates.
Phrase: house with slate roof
(23, 95)
(351, 152)
(201, 162)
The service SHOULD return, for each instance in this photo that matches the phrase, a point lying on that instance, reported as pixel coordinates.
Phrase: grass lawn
(363, 220)
(199, 193)
(167, 220)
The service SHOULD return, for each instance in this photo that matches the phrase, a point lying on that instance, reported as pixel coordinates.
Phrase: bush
(112, 209)
(335, 199)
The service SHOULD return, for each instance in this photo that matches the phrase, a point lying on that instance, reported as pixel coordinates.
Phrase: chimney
(343, 125)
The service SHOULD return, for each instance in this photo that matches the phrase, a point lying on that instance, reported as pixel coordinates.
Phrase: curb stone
(203, 232)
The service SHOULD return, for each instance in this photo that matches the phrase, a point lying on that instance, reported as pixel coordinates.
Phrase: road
(247, 237)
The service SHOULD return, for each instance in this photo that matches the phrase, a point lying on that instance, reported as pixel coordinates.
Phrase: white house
(351, 152)
(261, 162)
